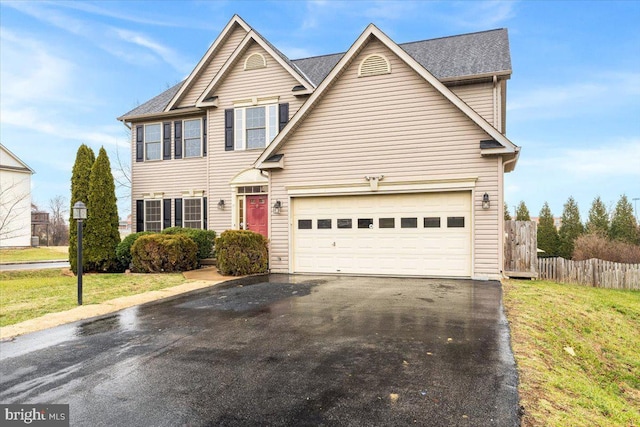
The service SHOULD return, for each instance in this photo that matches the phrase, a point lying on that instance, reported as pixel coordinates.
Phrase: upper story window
(152, 141)
(255, 127)
(192, 138)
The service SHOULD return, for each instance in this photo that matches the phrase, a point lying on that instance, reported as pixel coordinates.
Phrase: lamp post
(79, 214)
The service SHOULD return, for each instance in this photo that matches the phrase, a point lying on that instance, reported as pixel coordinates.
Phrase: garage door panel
(403, 243)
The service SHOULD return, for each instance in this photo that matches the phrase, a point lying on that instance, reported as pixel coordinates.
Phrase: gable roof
(252, 36)
(23, 167)
(372, 31)
(452, 58)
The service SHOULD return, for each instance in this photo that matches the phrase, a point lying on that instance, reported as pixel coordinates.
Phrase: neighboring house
(373, 161)
(15, 200)
(557, 221)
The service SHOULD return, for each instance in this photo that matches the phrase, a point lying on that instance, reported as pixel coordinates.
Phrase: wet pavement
(33, 265)
(281, 350)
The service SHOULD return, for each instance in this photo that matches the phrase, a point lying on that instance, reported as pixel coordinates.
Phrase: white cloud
(164, 52)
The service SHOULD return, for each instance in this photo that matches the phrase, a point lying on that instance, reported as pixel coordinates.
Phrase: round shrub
(158, 253)
(123, 250)
(203, 238)
(240, 252)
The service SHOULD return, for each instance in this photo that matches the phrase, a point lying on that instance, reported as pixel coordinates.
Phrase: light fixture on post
(276, 207)
(79, 214)
(221, 205)
(486, 204)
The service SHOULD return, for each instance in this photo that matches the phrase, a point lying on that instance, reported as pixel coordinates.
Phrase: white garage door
(426, 234)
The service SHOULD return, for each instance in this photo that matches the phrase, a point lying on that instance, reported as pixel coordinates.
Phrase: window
(255, 127)
(153, 215)
(409, 222)
(192, 138)
(432, 222)
(455, 222)
(365, 222)
(344, 223)
(386, 223)
(192, 213)
(152, 141)
(304, 224)
(324, 224)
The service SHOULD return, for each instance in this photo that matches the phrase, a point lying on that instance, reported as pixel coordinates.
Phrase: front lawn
(29, 294)
(578, 353)
(34, 254)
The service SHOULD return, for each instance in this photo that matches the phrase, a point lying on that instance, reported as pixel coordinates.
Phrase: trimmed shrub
(123, 251)
(157, 253)
(597, 246)
(241, 252)
(203, 238)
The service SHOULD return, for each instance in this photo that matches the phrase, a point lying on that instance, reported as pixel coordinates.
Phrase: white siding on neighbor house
(171, 177)
(15, 205)
(395, 125)
(239, 84)
(209, 70)
(480, 97)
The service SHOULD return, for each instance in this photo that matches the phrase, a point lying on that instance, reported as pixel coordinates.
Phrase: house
(384, 159)
(15, 200)
(557, 221)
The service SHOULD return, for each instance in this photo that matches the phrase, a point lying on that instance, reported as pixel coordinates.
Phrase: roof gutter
(181, 112)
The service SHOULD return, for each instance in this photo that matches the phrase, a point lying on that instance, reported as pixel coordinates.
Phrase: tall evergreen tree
(548, 239)
(570, 229)
(102, 235)
(522, 213)
(623, 223)
(507, 216)
(598, 221)
(80, 176)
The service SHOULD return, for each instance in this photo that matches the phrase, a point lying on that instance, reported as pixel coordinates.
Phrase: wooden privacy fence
(520, 249)
(591, 272)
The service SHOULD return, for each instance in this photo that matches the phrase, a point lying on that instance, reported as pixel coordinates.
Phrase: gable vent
(255, 62)
(374, 65)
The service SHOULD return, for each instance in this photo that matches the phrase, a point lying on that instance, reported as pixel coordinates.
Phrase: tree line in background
(613, 236)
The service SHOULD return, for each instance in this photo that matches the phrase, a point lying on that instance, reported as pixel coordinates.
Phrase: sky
(68, 69)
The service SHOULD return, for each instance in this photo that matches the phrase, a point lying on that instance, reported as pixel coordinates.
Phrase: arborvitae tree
(102, 235)
(507, 216)
(79, 193)
(570, 229)
(598, 222)
(522, 213)
(623, 223)
(548, 239)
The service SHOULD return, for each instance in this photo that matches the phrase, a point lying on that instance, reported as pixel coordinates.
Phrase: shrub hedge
(157, 253)
(123, 250)
(203, 238)
(596, 246)
(241, 252)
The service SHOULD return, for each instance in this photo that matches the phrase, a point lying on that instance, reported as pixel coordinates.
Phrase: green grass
(34, 254)
(600, 385)
(29, 294)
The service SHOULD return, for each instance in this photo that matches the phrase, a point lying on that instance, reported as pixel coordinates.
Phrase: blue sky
(68, 69)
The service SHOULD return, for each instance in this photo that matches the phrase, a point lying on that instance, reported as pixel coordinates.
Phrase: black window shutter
(178, 139)
(139, 216)
(228, 129)
(204, 213)
(166, 141)
(283, 115)
(178, 212)
(166, 214)
(139, 143)
(204, 136)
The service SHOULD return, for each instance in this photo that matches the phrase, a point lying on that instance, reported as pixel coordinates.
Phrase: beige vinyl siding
(239, 84)
(170, 177)
(209, 71)
(395, 125)
(480, 97)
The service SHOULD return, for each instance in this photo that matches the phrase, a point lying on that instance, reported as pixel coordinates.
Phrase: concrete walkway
(198, 279)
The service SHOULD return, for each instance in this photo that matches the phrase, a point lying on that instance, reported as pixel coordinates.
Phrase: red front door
(258, 214)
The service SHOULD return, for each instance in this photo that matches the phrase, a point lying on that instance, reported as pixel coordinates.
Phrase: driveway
(281, 350)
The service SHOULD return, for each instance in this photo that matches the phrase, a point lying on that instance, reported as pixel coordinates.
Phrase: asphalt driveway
(281, 350)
